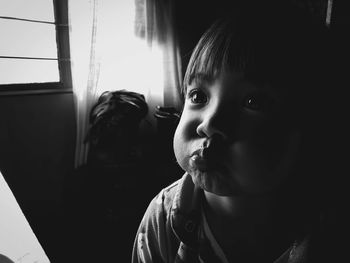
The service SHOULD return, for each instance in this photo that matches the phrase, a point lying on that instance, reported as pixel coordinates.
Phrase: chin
(213, 182)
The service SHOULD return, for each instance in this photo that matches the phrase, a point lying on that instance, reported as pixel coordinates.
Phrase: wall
(37, 141)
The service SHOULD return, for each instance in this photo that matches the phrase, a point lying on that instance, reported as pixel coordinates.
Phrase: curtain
(124, 44)
(85, 67)
(154, 22)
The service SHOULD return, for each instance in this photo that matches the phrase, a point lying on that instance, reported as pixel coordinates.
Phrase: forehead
(222, 76)
(229, 77)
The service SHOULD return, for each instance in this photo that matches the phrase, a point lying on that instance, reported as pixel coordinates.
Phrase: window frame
(64, 85)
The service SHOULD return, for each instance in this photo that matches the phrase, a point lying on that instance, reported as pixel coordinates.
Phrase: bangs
(286, 53)
(220, 49)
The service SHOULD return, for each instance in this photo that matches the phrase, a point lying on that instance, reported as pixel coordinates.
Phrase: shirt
(206, 233)
(170, 231)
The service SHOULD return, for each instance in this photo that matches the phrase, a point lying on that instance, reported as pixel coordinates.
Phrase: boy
(247, 146)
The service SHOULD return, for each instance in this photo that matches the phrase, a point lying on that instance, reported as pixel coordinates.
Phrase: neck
(248, 222)
(255, 209)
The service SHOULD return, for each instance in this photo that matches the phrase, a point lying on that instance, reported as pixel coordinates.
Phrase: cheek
(264, 165)
(184, 140)
(179, 145)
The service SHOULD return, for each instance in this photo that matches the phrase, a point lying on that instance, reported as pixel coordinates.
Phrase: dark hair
(268, 44)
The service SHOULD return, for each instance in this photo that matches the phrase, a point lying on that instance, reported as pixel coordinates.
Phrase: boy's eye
(197, 96)
(257, 103)
(252, 103)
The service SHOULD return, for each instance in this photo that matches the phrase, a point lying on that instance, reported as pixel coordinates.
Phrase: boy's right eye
(197, 96)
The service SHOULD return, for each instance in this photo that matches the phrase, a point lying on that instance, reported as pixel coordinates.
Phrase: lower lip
(201, 164)
(198, 163)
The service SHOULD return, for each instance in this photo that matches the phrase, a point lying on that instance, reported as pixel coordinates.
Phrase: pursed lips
(206, 158)
(198, 161)
(210, 155)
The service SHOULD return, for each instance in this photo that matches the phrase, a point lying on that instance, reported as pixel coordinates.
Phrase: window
(34, 46)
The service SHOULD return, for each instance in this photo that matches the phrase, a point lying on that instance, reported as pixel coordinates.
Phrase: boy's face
(235, 137)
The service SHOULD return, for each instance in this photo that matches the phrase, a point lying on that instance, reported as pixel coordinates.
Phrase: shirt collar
(185, 211)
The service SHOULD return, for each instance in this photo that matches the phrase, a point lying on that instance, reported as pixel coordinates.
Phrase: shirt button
(189, 226)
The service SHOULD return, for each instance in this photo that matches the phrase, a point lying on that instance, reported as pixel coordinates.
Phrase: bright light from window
(26, 39)
(28, 9)
(28, 71)
(24, 44)
(123, 61)
(126, 61)
(138, 69)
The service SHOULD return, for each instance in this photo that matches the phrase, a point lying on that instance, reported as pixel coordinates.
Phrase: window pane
(27, 39)
(28, 9)
(28, 71)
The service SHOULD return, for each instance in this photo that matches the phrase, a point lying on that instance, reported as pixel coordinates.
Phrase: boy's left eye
(197, 96)
(257, 103)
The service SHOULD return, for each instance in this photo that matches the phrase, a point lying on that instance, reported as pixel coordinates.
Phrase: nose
(214, 123)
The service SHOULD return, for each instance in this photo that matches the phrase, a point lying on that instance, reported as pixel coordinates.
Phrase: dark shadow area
(105, 204)
(104, 200)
